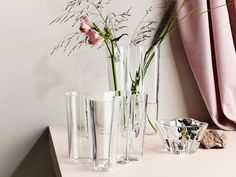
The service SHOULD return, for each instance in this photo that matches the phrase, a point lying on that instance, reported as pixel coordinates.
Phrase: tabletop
(156, 161)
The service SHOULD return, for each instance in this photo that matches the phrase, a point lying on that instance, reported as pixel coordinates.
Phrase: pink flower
(85, 25)
(94, 38)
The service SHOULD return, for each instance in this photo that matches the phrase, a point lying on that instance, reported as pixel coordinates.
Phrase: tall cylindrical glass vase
(79, 127)
(137, 69)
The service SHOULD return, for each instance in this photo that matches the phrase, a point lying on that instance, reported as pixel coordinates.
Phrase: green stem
(114, 66)
(113, 62)
(135, 83)
(152, 125)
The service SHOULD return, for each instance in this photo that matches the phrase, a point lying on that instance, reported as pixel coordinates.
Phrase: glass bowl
(181, 135)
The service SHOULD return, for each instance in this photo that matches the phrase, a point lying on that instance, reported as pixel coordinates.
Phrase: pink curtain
(210, 42)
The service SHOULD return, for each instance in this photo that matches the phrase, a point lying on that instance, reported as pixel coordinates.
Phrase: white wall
(32, 82)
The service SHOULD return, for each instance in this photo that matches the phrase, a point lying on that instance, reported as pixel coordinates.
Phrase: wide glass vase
(136, 68)
(119, 124)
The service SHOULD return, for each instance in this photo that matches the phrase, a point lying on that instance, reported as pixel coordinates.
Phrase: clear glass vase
(79, 128)
(137, 69)
(106, 128)
(117, 71)
(105, 111)
(138, 125)
(119, 125)
(131, 121)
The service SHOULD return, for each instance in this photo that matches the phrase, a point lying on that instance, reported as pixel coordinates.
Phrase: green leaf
(118, 38)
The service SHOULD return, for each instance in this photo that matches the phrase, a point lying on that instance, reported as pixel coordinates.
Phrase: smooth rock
(213, 139)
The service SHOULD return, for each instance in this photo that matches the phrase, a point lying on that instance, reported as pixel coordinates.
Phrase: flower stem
(113, 62)
(151, 123)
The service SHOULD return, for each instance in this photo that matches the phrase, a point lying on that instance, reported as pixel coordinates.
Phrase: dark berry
(180, 129)
(192, 136)
(185, 122)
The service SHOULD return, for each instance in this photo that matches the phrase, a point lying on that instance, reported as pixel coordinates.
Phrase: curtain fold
(209, 40)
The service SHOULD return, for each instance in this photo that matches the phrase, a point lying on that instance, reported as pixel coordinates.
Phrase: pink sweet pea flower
(94, 38)
(85, 25)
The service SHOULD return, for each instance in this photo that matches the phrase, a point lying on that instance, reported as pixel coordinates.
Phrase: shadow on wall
(39, 161)
(46, 78)
(192, 96)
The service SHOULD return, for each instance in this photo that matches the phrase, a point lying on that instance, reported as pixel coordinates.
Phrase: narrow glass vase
(79, 128)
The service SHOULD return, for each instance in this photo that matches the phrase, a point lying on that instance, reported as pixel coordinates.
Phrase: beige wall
(32, 82)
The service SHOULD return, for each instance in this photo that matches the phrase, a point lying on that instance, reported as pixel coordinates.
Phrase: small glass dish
(181, 135)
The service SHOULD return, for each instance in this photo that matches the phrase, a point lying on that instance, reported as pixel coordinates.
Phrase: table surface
(156, 161)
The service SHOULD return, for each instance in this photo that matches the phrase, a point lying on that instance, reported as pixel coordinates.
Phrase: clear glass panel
(124, 127)
(138, 124)
(79, 127)
(151, 86)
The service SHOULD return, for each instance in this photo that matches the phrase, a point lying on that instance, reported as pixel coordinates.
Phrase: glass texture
(181, 135)
(138, 125)
(104, 113)
(130, 62)
(79, 127)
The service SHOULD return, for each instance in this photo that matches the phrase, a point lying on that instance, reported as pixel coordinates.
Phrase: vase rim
(106, 96)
